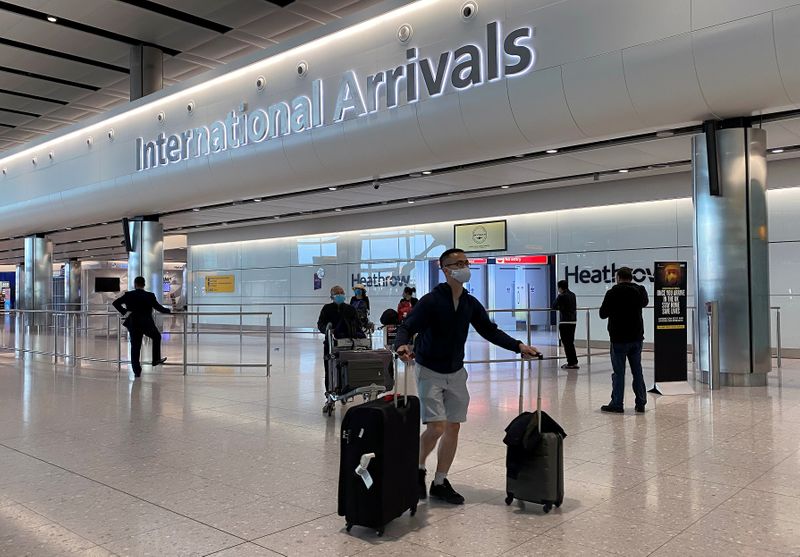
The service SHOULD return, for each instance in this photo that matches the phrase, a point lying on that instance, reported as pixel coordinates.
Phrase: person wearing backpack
(407, 303)
(360, 301)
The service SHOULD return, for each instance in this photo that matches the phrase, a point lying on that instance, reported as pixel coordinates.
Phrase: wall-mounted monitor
(106, 284)
(481, 236)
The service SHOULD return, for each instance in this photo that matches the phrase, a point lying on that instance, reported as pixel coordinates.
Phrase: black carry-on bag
(378, 470)
(535, 454)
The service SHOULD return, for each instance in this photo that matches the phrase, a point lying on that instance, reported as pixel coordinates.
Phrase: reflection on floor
(92, 463)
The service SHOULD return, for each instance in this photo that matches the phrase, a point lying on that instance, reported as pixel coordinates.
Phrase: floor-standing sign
(670, 329)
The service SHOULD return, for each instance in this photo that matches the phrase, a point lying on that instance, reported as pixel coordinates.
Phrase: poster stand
(670, 388)
(670, 329)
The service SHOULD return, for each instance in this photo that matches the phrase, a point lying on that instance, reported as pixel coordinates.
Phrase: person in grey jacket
(441, 319)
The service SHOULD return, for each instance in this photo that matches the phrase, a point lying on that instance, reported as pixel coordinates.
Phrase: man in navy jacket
(441, 319)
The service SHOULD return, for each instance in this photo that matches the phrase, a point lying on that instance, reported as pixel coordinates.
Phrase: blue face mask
(339, 298)
(359, 292)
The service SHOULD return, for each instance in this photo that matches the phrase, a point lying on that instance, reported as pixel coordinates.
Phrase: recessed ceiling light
(257, 200)
(224, 224)
(411, 201)
(103, 223)
(196, 210)
(80, 241)
(623, 171)
(332, 188)
(504, 187)
(338, 210)
(426, 172)
(68, 228)
(552, 151)
(776, 151)
(52, 19)
(276, 217)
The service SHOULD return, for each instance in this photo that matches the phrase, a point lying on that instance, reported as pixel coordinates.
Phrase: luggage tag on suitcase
(362, 471)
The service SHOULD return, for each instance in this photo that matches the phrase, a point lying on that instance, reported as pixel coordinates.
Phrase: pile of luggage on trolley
(353, 368)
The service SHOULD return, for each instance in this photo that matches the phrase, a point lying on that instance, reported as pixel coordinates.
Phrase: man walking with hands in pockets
(442, 319)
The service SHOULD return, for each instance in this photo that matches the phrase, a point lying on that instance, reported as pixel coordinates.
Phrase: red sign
(478, 261)
(523, 260)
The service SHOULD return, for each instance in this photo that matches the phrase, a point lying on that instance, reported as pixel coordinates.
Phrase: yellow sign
(481, 236)
(220, 284)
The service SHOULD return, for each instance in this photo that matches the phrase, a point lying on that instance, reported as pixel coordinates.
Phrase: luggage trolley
(353, 368)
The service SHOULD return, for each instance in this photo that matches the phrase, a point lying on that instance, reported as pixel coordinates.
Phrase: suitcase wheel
(547, 507)
(413, 510)
(509, 498)
(380, 532)
(348, 526)
(558, 503)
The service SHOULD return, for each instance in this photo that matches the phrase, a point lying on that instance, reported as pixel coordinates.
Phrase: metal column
(72, 284)
(147, 71)
(729, 175)
(38, 283)
(147, 258)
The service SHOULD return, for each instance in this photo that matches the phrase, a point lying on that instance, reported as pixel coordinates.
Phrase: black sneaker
(572, 366)
(159, 361)
(640, 408)
(612, 409)
(423, 493)
(446, 493)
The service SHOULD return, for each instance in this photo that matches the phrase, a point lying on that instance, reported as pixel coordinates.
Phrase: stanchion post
(119, 343)
(712, 309)
(778, 334)
(284, 326)
(269, 343)
(184, 338)
(694, 336)
(55, 338)
(588, 337)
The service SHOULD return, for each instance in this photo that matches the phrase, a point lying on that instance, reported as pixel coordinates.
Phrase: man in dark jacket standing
(567, 307)
(442, 319)
(343, 320)
(140, 304)
(622, 306)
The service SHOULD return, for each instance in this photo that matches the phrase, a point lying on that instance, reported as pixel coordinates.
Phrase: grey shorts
(443, 397)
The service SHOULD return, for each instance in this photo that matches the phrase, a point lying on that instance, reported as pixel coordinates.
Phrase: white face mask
(461, 275)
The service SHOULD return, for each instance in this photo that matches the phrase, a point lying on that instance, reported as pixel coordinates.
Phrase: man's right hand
(406, 353)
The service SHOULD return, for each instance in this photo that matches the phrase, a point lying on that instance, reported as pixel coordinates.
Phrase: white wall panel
(706, 13)
(648, 67)
(787, 45)
(740, 57)
(540, 109)
(597, 96)
(639, 225)
(576, 29)
(783, 208)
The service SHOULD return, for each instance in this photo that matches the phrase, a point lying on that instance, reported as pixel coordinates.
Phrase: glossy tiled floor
(93, 464)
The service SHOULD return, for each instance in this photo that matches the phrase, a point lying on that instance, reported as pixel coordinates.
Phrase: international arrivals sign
(501, 55)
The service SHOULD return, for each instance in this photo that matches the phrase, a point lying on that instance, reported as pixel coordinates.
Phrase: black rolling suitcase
(535, 455)
(378, 471)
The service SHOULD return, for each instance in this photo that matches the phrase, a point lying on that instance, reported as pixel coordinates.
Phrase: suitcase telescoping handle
(539, 357)
(406, 365)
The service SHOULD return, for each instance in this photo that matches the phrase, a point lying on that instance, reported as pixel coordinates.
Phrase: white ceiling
(33, 105)
(256, 24)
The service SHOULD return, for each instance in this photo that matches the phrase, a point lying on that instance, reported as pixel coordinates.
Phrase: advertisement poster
(670, 324)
